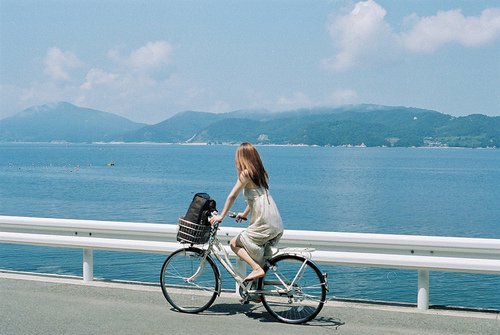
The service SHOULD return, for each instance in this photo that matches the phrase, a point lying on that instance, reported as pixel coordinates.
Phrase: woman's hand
(216, 218)
(240, 216)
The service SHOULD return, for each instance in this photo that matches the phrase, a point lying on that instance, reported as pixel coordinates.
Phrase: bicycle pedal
(244, 301)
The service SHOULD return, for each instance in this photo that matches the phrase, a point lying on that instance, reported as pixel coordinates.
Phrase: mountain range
(370, 125)
(64, 122)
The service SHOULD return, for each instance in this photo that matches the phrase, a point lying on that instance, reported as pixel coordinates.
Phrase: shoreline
(347, 146)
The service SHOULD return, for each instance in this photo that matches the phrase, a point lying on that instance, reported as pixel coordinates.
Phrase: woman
(265, 227)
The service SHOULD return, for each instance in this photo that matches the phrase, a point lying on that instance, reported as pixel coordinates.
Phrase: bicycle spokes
(189, 280)
(293, 289)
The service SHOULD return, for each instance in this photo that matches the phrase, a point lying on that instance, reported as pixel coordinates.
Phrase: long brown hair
(248, 159)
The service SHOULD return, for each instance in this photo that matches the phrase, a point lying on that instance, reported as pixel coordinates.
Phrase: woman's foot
(256, 299)
(255, 274)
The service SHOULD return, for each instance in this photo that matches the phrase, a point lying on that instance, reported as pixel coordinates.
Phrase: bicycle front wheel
(293, 289)
(190, 283)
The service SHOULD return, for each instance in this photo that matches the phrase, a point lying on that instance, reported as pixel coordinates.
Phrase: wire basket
(192, 233)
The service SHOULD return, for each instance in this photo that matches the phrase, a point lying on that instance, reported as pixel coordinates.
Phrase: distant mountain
(63, 122)
(370, 125)
(179, 128)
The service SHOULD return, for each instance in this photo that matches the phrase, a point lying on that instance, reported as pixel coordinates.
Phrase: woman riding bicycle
(265, 227)
(289, 285)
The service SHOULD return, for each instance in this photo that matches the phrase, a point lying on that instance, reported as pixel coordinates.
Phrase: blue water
(446, 192)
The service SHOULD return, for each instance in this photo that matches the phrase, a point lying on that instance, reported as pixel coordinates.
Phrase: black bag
(200, 209)
(194, 227)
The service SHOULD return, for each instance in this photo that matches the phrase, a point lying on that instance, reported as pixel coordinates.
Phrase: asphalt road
(40, 305)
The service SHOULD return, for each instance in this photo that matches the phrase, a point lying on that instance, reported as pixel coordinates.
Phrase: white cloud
(133, 81)
(357, 33)
(363, 34)
(430, 33)
(343, 97)
(297, 100)
(300, 99)
(220, 106)
(121, 91)
(138, 82)
(58, 63)
(151, 56)
(96, 77)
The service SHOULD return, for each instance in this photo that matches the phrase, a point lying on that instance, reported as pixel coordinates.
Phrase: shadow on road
(320, 321)
(228, 309)
(259, 313)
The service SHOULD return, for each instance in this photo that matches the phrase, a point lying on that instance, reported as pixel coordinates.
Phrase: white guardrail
(422, 253)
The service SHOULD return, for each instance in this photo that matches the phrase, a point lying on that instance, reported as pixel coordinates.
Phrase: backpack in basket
(194, 227)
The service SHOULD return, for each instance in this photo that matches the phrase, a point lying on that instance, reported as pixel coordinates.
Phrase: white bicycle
(293, 289)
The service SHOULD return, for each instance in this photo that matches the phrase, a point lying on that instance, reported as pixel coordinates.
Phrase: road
(47, 305)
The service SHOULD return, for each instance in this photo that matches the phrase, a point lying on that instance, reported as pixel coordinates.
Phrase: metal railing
(421, 253)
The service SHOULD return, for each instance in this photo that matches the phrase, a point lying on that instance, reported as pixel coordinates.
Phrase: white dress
(265, 227)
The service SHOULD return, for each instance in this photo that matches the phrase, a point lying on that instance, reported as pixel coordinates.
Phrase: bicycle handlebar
(233, 215)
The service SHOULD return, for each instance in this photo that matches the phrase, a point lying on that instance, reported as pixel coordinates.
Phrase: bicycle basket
(192, 233)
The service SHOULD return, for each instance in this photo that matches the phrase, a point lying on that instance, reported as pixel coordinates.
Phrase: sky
(148, 60)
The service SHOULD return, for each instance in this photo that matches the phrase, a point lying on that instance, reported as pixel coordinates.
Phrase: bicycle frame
(293, 289)
(216, 249)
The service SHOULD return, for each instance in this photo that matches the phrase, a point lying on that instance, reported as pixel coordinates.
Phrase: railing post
(88, 265)
(423, 289)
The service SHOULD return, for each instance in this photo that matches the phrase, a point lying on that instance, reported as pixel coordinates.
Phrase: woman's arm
(237, 188)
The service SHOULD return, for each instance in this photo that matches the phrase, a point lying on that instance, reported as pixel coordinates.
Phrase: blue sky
(147, 60)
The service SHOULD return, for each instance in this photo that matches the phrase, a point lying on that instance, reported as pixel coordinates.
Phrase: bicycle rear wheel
(189, 284)
(294, 290)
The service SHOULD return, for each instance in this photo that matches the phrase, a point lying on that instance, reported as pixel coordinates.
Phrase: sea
(418, 191)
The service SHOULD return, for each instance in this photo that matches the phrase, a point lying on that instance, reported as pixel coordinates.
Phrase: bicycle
(293, 289)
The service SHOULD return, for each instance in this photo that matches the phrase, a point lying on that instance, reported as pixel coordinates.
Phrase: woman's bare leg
(257, 271)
